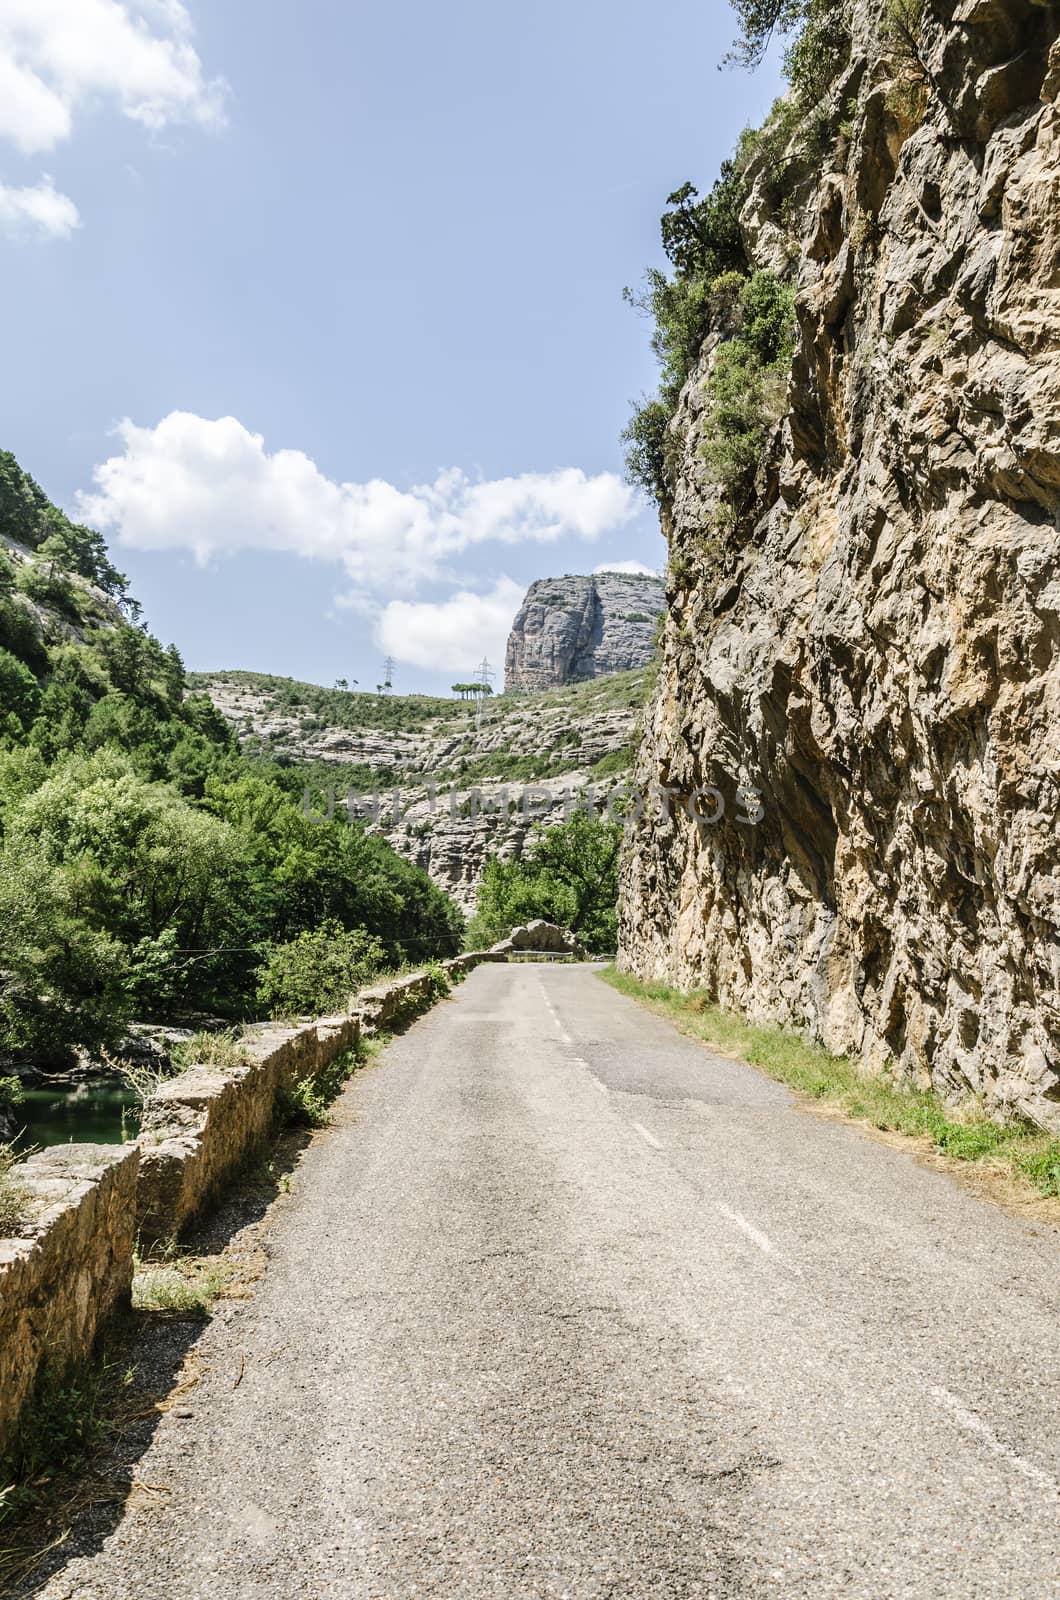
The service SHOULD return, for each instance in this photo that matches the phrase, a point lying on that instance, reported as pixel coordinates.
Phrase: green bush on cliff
(645, 440)
(747, 386)
(818, 32)
(42, 583)
(703, 241)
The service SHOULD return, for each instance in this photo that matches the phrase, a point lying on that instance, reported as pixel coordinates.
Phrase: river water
(98, 1110)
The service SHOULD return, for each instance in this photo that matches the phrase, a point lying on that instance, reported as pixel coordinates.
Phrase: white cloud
(211, 486)
(41, 208)
(637, 567)
(55, 55)
(60, 56)
(32, 116)
(452, 635)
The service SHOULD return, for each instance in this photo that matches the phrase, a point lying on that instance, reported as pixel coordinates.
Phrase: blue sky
(317, 311)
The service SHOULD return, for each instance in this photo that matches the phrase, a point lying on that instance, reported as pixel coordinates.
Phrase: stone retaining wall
(60, 1283)
(201, 1126)
(92, 1205)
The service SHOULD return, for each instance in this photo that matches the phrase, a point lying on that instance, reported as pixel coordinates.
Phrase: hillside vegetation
(450, 779)
(363, 741)
(147, 867)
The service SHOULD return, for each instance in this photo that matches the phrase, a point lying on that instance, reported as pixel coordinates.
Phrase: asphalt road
(566, 1306)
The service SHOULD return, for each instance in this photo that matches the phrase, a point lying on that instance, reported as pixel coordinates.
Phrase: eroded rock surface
(570, 629)
(876, 650)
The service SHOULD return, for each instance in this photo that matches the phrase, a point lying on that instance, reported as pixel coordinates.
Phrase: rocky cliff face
(876, 648)
(570, 629)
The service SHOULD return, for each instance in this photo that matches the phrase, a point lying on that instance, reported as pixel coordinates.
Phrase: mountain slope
(146, 867)
(546, 748)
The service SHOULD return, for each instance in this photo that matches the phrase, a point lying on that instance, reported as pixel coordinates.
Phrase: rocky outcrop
(875, 649)
(570, 629)
(539, 938)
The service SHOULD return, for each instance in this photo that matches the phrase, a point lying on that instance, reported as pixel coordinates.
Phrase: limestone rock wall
(553, 742)
(876, 650)
(574, 628)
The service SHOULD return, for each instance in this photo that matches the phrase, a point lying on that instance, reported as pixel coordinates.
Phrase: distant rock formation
(574, 628)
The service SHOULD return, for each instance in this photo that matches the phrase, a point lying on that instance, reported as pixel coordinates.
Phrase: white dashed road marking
(976, 1425)
(754, 1234)
(649, 1138)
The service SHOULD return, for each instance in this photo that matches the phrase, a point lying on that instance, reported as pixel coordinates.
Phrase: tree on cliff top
(760, 22)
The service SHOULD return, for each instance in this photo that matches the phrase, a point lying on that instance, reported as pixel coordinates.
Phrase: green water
(90, 1112)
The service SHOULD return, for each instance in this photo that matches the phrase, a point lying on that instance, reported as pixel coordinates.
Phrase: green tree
(62, 983)
(569, 876)
(19, 694)
(760, 21)
(747, 387)
(316, 972)
(138, 862)
(164, 862)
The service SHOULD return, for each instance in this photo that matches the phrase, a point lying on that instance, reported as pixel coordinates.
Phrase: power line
(483, 673)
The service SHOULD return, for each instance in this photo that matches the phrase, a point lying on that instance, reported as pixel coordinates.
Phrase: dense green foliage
(747, 386)
(28, 517)
(147, 868)
(712, 289)
(315, 973)
(569, 876)
(818, 35)
(702, 241)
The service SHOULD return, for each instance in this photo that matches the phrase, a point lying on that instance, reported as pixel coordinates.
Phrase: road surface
(564, 1305)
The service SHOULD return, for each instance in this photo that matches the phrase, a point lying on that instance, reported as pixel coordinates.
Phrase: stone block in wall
(73, 1268)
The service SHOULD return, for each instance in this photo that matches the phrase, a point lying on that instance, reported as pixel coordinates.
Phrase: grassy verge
(178, 1282)
(1020, 1154)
